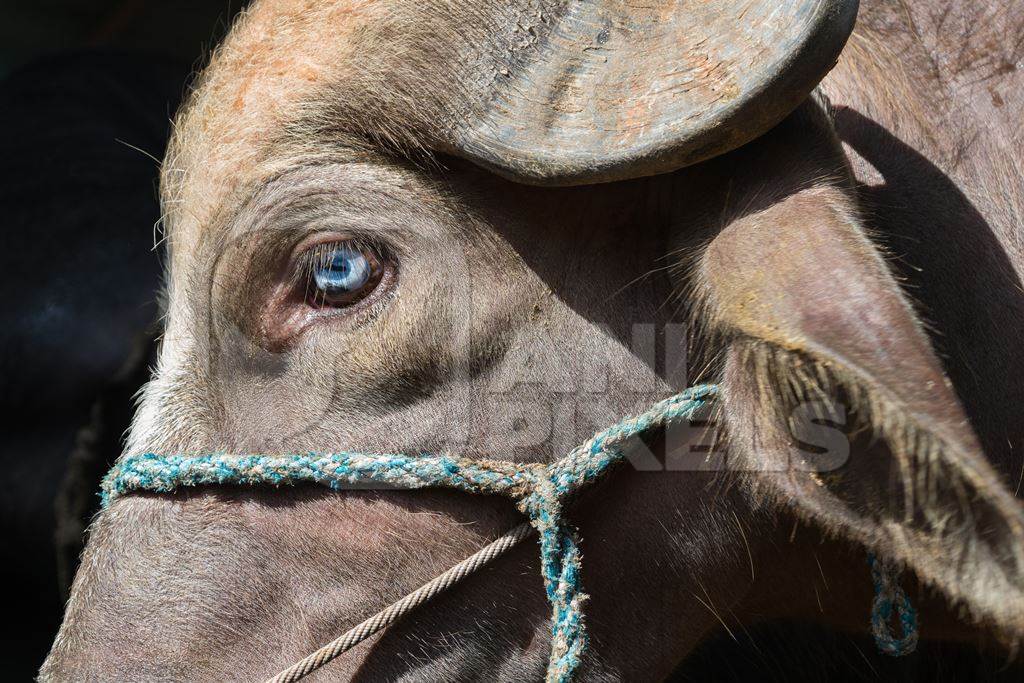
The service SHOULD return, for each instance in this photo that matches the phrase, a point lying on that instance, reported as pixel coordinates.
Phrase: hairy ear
(810, 311)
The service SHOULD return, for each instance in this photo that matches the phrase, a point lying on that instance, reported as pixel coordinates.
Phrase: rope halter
(541, 492)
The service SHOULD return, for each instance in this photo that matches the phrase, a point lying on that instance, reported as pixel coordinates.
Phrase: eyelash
(320, 256)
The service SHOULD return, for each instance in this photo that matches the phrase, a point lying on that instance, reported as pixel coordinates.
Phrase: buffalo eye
(341, 274)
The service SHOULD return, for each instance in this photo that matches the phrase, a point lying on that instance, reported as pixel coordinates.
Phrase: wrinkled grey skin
(512, 332)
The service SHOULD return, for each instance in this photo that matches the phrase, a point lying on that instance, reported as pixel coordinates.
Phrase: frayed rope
(539, 491)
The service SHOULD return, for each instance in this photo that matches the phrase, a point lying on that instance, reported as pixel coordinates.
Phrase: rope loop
(889, 595)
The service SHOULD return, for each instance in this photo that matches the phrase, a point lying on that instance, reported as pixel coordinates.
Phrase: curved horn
(600, 91)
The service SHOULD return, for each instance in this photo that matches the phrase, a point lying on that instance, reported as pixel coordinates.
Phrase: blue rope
(889, 595)
(540, 491)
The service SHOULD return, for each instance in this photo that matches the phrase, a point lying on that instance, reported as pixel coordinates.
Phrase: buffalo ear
(809, 312)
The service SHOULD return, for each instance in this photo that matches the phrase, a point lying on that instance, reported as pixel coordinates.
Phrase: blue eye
(343, 273)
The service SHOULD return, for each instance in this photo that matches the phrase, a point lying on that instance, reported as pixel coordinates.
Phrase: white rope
(389, 615)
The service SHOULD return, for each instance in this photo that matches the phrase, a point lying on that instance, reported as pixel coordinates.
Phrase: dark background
(87, 91)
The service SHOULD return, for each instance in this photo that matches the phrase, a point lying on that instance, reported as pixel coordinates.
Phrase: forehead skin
(274, 59)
